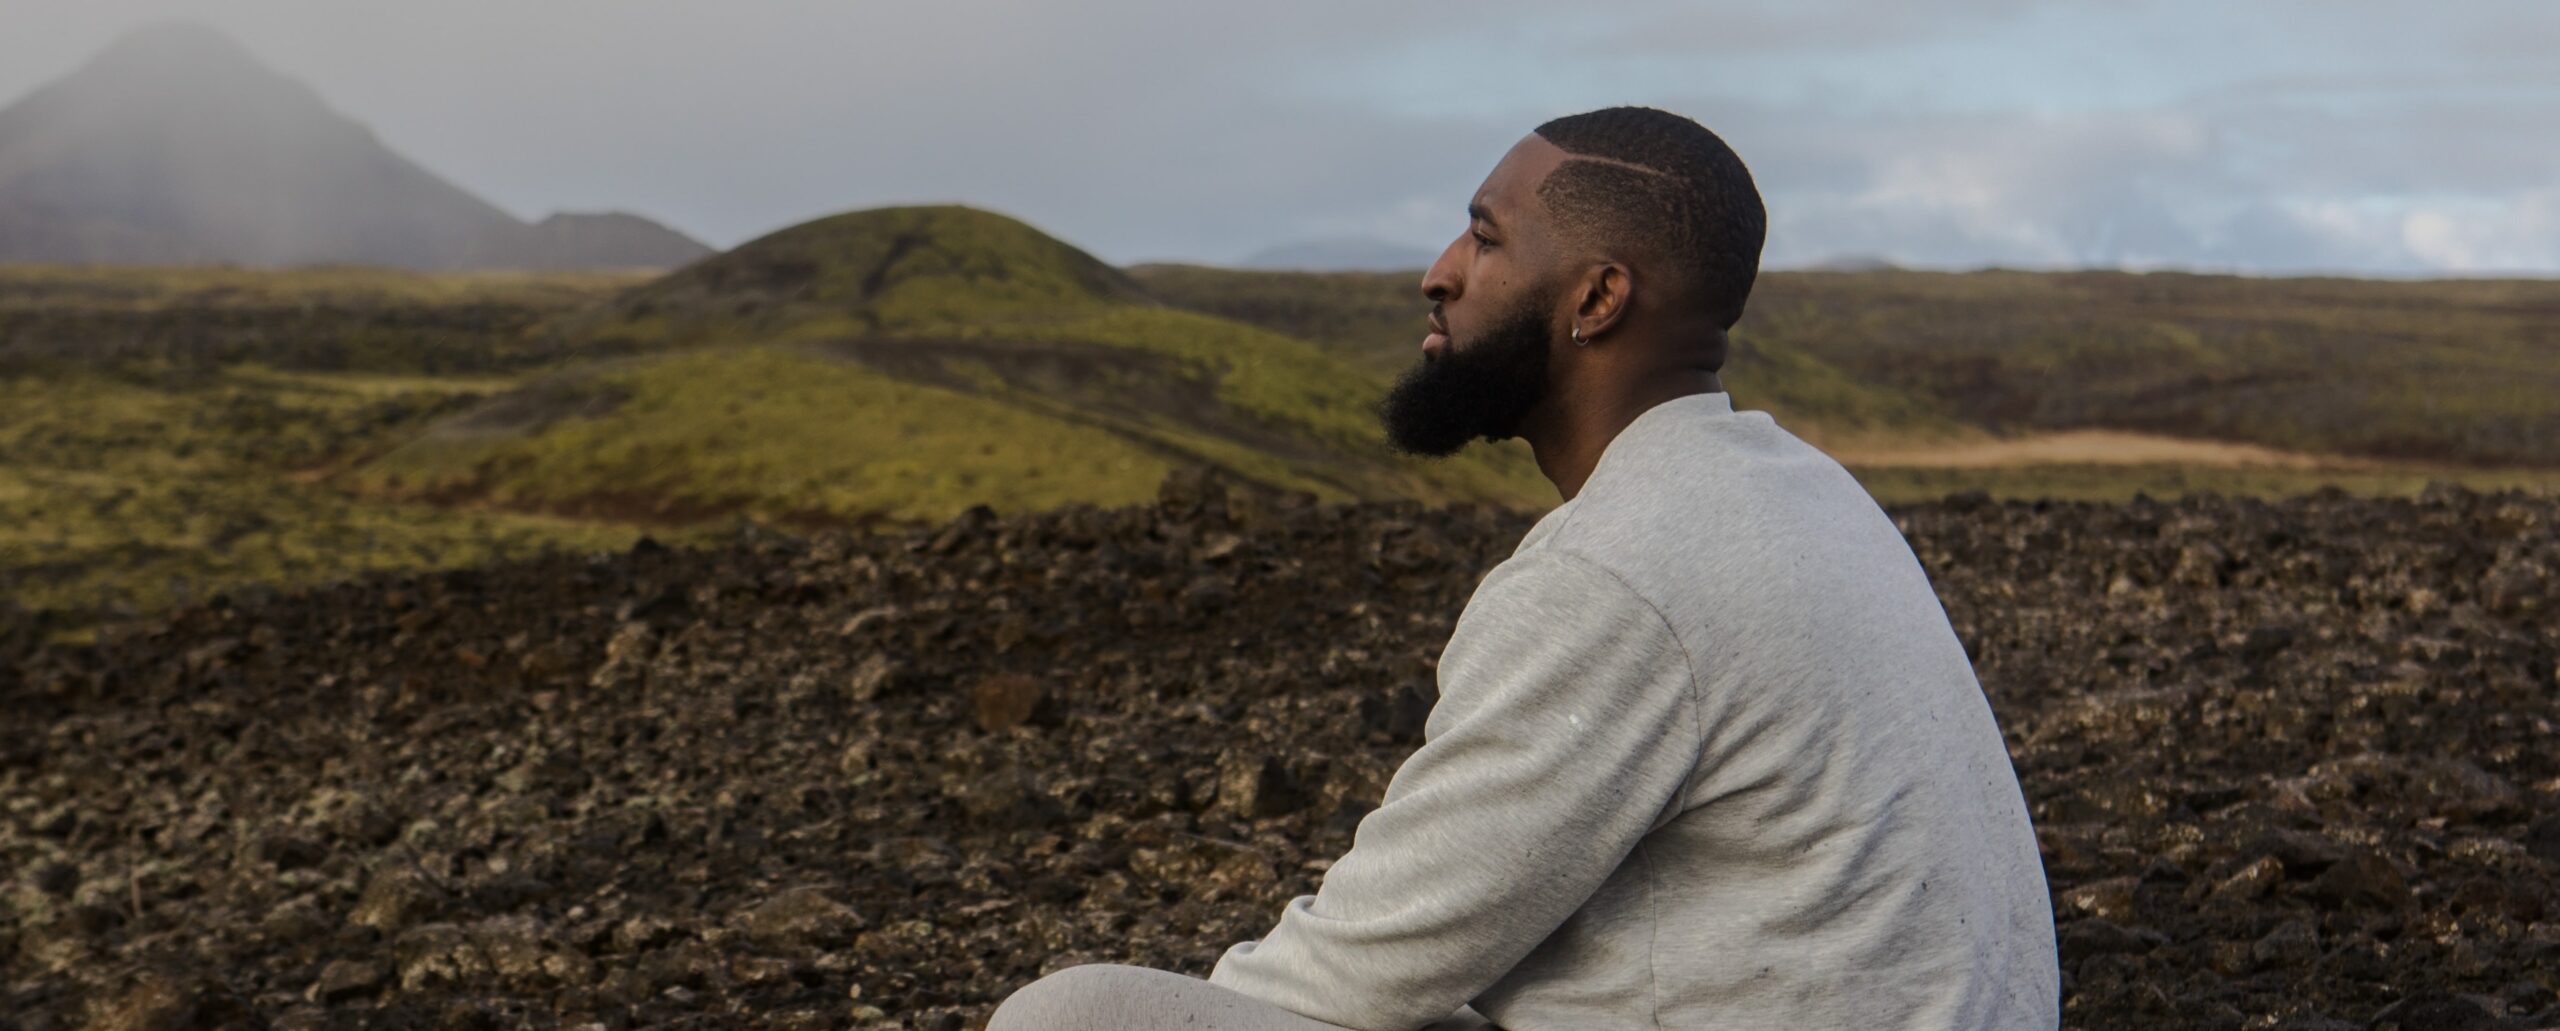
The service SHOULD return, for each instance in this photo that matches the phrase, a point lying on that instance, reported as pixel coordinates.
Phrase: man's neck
(1569, 436)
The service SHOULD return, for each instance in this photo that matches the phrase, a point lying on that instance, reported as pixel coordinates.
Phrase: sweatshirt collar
(1647, 422)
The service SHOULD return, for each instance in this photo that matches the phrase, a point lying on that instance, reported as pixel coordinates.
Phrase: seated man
(1707, 753)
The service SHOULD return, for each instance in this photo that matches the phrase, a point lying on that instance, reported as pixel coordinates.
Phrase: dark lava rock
(1258, 786)
(2542, 839)
(645, 933)
(2290, 763)
(1008, 700)
(290, 850)
(801, 917)
(56, 878)
(2302, 853)
(2082, 939)
(439, 956)
(2109, 899)
(2250, 881)
(2293, 943)
(345, 979)
(877, 674)
(2362, 878)
(2436, 1011)
(2529, 996)
(398, 895)
(1398, 716)
(171, 1003)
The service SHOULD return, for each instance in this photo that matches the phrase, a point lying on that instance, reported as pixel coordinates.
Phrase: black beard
(1482, 388)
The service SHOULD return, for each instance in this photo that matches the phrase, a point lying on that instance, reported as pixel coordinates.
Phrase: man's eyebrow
(1477, 211)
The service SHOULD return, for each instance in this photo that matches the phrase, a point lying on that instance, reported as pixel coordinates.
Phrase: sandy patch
(2082, 447)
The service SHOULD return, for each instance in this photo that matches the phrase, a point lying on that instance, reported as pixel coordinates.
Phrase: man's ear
(1603, 298)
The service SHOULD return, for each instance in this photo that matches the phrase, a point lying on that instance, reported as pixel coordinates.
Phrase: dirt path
(2084, 447)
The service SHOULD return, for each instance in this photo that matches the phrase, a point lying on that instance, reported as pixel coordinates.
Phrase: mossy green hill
(904, 363)
(883, 269)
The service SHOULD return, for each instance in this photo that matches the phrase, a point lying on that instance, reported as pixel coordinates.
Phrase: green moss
(779, 434)
(70, 288)
(1286, 382)
(1371, 320)
(177, 326)
(1818, 400)
(118, 497)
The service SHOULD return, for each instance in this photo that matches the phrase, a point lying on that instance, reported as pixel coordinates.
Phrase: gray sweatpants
(1113, 997)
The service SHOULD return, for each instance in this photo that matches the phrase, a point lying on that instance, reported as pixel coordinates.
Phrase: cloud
(2372, 135)
(2408, 184)
(1765, 27)
(2519, 233)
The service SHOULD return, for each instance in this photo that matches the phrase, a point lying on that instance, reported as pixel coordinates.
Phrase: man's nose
(1440, 281)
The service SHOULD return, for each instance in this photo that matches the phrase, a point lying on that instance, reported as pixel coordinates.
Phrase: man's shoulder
(1705, 523)
(1551, 574)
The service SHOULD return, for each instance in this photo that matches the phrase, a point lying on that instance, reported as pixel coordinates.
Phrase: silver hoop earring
(1577, 337)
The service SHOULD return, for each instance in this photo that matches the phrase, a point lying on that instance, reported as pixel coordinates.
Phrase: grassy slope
(164, 431)
(778, 433)
(2452, 372)
(926, 345)
(1372, 320)
(208, 287)
(183, 323)
(59, 288)
(118, 495)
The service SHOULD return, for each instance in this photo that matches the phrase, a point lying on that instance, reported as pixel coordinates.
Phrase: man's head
(1601, 246)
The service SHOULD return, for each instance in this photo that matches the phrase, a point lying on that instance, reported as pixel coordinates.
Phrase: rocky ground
(2293, 764)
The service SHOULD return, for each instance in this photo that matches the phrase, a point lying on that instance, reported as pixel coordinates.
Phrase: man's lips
(1437, 338)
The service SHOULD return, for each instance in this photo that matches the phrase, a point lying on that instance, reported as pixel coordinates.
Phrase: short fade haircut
(1667, 185)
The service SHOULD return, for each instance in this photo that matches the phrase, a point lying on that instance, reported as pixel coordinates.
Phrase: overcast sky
(2260, 135)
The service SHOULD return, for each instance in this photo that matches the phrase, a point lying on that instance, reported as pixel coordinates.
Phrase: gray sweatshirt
(1707, 755)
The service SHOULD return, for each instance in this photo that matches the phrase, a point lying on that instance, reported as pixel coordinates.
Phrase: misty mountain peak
(171, 60)
(179, 40)
(176, 145)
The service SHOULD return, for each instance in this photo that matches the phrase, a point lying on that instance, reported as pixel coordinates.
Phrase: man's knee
(1068, 998)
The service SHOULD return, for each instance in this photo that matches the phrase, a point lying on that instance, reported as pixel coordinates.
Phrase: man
(1707, 753)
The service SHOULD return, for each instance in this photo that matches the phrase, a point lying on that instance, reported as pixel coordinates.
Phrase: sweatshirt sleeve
(1565, 731)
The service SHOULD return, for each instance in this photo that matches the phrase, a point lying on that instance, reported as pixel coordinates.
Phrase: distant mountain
(176, 146)
(1343, 254)
(606, 239)
(1852, 263)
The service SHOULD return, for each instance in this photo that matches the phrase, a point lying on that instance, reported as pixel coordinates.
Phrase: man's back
(1708, 756)
(1854, 851)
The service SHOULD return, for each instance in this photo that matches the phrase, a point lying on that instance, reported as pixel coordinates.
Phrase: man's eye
(1481, 241)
